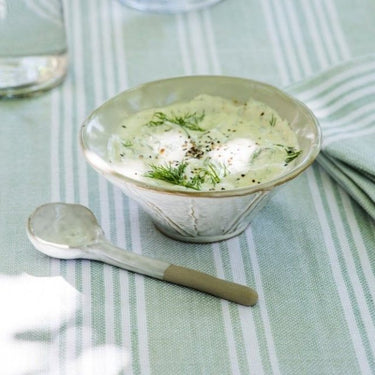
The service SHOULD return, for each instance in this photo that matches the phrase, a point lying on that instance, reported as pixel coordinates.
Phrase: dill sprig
(176, 175)
(168, 173)
(126, 143)
(188, 120)
(212, 173)
(291, 152)
(273, 120)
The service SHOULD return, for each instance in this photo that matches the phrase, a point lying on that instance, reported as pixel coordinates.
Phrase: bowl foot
(198, 238)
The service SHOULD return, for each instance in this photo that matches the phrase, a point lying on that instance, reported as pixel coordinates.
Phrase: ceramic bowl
(197, 216)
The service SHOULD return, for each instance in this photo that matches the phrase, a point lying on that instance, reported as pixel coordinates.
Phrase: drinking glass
(33, 48)
(168, 6)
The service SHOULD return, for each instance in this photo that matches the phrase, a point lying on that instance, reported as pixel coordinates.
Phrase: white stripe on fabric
(246, 316)
(344, 89)
(362, 127)
(335, 24)
(70, 333)
(343, 136)
(198, 48)
(212, 52)
(336, 79)
(322, 21)
(108, 55)
(296, 32)
(144, 361)
(54, 145)
(350, 121)
(87, 331)
(184, 47)
(274, 37)
(67, 142)
(107, 269)
(80, 99)
(69, 183)
(233, 355)
(80, 111)
(360, 244)
(119, 200)
(54, 264)
(262, 304)
(103, 185)
(349, 262)
(123, 280)
(347, 308)
(286, 40)
(121, 64)
(346, 99)
(315, 37)
(98, 98)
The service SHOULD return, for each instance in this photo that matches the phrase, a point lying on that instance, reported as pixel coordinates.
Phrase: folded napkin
(343, 100)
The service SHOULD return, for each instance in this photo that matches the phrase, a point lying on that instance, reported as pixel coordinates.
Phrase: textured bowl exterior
(198, 219)
(189, 215)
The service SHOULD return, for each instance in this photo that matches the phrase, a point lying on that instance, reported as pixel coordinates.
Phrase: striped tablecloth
(310, 253)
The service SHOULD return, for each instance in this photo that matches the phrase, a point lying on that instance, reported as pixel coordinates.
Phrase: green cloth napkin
(343, 99)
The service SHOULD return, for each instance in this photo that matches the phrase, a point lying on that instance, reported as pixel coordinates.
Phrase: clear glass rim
(174, 6)
(105, 168)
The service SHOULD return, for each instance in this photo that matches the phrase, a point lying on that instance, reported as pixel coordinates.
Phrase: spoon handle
(212, 285)
(108, 253)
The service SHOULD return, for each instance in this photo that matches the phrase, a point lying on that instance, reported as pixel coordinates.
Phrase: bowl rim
(103, 167)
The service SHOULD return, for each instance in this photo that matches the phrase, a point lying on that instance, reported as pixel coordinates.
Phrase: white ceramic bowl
(196, 216)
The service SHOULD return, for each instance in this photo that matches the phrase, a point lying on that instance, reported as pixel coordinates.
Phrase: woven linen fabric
(343, 99)
(309, 253)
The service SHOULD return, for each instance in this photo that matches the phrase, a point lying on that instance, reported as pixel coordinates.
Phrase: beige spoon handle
(212, 285)
(108, 253)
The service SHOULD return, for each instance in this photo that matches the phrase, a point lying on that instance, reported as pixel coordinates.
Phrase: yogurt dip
(209, 143)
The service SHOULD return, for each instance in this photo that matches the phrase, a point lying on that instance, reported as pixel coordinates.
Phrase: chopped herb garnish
(127, 143)
(188, 120)
(168, 173)
(291, 153)
(256, 153)
(176, 175)
(273, 120)
(173, 175)
(212, 174)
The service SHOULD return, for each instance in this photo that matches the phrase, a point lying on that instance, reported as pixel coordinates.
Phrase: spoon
(71, 231)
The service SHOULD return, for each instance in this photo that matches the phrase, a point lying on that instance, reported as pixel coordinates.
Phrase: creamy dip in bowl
(201, 154)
